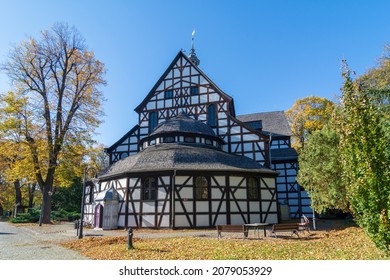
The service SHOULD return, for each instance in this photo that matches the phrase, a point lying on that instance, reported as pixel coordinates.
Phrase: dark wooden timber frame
(239, 138)
(179, 77)
(165, 210)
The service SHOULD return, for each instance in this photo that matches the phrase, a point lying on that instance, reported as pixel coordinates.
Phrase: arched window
(201, 188)
(253, 188)
(149, 189)
(152, 121)
(212, 115)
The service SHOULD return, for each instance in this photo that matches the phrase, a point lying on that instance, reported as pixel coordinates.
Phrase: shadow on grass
(333, 224)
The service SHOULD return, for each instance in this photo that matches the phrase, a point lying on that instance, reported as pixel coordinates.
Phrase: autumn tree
(61, 81)
(306, 116)
(15, 161)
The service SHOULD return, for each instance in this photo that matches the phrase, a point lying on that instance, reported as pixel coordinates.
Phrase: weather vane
(192, 54)
(193, 35)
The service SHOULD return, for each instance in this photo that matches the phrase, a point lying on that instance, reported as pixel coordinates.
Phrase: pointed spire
(192, 54)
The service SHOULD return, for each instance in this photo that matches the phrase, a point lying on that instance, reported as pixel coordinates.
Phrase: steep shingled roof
(178, 156)
(272, 122)
(184, 124)
(284, 154)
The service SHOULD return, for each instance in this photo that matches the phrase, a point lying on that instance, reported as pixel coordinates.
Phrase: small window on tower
(169, 139)
(168, 94)
(194, 90)
(189, 139)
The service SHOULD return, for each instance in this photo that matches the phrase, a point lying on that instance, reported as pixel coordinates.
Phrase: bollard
(77, 227)
(130, 239)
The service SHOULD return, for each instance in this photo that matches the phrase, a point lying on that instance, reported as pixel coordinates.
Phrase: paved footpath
(23, 243)
(33, 242)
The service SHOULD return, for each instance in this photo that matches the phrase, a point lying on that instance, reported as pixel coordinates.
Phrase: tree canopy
(320, 171)
(58, 83)
(307, 115)
(365, 165)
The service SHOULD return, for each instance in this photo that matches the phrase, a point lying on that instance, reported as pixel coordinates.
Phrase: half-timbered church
(190, 161)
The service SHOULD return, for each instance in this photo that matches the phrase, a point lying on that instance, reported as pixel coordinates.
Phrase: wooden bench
(289, 227)
(231, 228)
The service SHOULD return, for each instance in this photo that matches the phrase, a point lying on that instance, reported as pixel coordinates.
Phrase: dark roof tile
(273, 122)
(183, 157)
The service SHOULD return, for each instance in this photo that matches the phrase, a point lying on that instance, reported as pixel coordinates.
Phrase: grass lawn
(338, 240)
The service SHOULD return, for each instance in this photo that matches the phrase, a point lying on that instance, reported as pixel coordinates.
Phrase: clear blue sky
(265, 54)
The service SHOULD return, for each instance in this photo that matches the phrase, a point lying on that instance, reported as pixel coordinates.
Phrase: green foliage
(365, 164)
(68, 198)
(61, 215)
(32, 216)
(320, 172)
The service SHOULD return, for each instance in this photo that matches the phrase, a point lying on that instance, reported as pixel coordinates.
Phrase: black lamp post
(80, 226)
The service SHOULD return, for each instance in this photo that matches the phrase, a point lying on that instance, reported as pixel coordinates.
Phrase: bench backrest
(285, 226)
(230, 228)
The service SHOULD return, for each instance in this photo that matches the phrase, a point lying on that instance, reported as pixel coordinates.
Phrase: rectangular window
(194, 90)
(201, 188)
(253, 189)
(212, 115)
(168, 94)
(152, 121)
(149, 189)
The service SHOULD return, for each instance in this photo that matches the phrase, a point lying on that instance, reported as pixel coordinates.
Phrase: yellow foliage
(306, 116)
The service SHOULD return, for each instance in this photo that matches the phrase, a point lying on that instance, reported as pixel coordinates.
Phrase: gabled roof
(272, 122)
(138, 109)
(123, 138)
(109, 194)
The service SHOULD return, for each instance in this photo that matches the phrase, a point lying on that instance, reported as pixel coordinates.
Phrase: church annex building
(191, 162)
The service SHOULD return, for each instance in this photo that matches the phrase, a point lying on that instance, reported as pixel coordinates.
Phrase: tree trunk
(18, 196)
(31, 194)
(47, 195)
(18, 193)
(46, 207)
